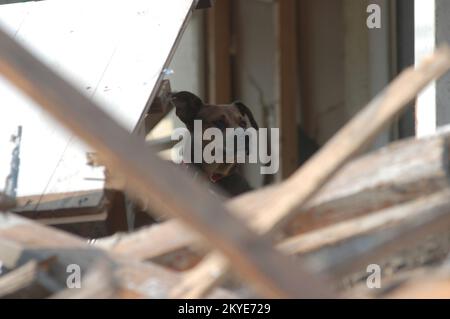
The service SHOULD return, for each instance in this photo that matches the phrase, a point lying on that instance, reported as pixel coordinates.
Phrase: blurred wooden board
(113, 51)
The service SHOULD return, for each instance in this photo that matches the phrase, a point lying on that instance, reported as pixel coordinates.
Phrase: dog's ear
(246, 111)
(187, 105)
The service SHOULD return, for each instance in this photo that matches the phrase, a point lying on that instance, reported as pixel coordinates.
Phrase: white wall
(188, 66)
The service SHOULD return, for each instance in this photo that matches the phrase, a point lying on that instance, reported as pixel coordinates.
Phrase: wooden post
(218, 52)
(288, 85)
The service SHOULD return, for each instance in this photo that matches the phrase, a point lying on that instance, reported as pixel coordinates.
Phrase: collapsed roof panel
(113, 51)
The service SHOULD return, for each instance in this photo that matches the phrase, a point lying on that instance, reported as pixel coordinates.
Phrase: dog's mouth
(219, 170)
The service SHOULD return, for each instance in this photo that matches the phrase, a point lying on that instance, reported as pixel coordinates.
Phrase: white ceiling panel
(113, 51)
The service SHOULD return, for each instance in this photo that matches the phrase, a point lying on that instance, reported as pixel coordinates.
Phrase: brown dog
(189, 108)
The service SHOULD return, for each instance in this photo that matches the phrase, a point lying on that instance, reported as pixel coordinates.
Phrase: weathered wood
(23, 240)
(363, 226)
(378, 180)
(140, 245)
(287, 84)
(169, 243)
(392, 175)
(151, 178)
(95, 213)
(434, 284)
(427, 216)
(218, 33)
(349, 246)
(99, 283)
(6, 202)
(27, 281)
(199, 281)
(284, 202)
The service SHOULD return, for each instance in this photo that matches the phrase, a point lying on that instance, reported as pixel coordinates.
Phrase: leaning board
(114, 51)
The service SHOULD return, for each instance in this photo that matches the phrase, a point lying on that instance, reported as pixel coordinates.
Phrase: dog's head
(190, 107)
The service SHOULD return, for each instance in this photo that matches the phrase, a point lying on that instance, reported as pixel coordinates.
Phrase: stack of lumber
(317, 234)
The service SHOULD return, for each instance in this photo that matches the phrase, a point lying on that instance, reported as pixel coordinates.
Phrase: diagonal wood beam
(149, 177)
(23, 240)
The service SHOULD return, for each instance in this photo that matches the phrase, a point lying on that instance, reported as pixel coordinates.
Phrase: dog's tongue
(216, 177)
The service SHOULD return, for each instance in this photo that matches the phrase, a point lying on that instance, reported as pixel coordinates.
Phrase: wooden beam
(218, 50)
(374, 222)
(429, 216)
(116, 220)
(434, 284)
(6, 202)
(195, 284)
(27, 281)
(23, 240)
(378, 180)
(170, 244)
(288, 85)
(98, 283)
(168, 191)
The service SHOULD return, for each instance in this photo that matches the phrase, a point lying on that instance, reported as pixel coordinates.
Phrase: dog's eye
(220, 124)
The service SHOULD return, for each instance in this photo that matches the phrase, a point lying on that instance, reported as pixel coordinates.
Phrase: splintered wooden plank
(389, 176)
(24, 241)
(27, 281)
(355, 228)
(112, 51)
(433, 284)
(149, 177)
(423, 218)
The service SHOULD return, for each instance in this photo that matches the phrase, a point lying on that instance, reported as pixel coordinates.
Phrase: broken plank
(170, 244)
(388, 218)
(27, 281)
(434, 284)
(6, 202)
(195, 284)
(392, 175)
(23, 240)
(429, 216)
